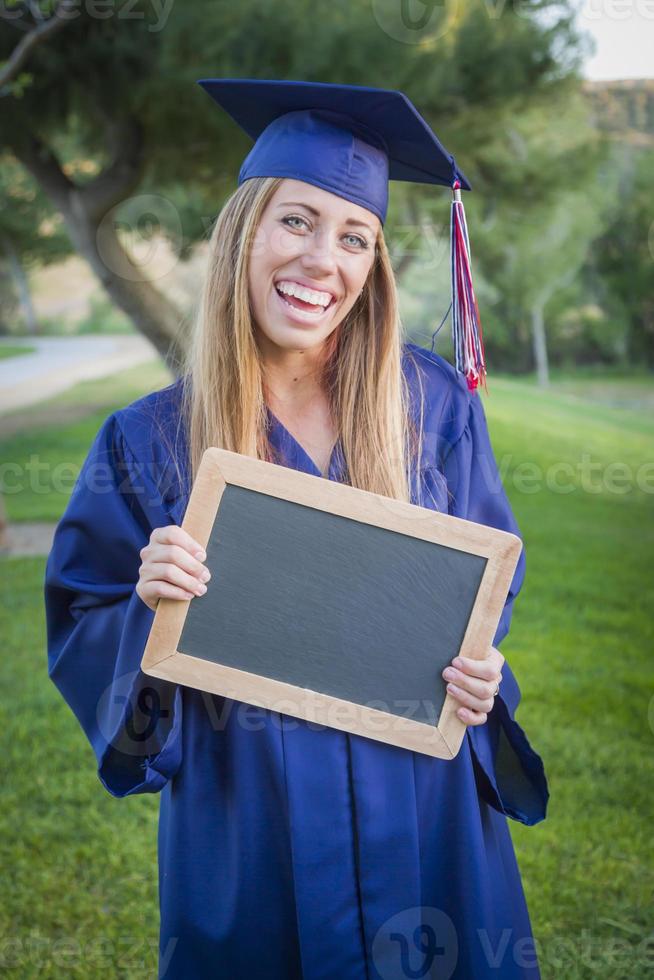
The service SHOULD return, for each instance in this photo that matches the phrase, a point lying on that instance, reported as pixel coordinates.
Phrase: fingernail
(201, 589)
(205, 575)
(449, 673)
(452, 688)
(200, 555)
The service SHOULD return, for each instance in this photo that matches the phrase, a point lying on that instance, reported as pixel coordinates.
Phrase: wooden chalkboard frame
(220, 468)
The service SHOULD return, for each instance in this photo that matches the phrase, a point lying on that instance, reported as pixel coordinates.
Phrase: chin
(296, 340)
(288, 336)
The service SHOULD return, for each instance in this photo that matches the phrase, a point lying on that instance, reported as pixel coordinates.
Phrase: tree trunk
(539, 341)
(152, 313)
(3, 525)
(86, 212)
(22, 285)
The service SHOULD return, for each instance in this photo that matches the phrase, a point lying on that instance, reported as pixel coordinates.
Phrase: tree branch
(36, 35)
(124, 139)
(37, 157)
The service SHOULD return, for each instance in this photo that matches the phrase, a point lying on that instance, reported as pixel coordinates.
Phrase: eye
(359, 241)
(295, 217)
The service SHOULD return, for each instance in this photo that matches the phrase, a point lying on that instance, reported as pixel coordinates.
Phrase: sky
(623, 31)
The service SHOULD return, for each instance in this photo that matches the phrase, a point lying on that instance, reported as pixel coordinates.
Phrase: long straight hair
(223, 401)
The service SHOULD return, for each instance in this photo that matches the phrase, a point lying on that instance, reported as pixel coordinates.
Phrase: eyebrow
(316, 214)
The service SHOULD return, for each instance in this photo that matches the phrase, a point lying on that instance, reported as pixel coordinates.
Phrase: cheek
(254, 277)
(274, 244)
(261, 267)
(254, 258)
(356, 281)
(257, 294)
(258, 254)
(282, 244)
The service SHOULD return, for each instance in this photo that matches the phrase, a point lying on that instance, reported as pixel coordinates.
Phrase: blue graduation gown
(285, 849)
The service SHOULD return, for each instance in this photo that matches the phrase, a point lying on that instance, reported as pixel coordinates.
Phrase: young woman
(287, 849)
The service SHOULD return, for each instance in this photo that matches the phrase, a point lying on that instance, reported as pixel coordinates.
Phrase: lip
(303, 316)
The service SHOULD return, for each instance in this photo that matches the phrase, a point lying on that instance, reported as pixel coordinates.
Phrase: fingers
(474, 684)
(173, 554)
(151, 592)
(472, 717)
(173, 534)
(174, 575)
(488, 669)
(171, 567)
(483, 705)
(480, 689)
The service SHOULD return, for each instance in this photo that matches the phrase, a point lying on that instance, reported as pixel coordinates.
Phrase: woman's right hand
(171, 567)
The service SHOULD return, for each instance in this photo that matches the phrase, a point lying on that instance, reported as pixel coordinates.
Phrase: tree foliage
(105, 115)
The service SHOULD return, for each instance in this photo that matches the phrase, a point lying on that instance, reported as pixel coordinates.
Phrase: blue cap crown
(312, 145)
(347, 139)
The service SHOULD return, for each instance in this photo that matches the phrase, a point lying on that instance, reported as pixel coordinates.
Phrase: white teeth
(308, 295)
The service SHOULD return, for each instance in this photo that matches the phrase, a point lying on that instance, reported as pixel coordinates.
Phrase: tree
(507, 101)
(123, 86)
(23, 209)
(106, 110)
(542, 205)
(624, 254)
(48, 19)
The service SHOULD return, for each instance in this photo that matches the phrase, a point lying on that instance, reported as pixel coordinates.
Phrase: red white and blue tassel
(466, 324)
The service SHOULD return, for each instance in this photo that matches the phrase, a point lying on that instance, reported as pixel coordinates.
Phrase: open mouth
(302, 305)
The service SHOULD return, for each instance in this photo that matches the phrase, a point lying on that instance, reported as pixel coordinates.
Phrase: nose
(319, 254)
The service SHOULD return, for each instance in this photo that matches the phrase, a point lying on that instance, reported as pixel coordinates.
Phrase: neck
(292, 377)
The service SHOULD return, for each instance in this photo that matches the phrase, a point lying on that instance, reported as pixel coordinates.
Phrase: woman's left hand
(474, 683)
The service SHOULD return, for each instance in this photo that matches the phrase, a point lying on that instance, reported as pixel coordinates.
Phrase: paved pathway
(27, 540)
(60, 362)
(57, 364)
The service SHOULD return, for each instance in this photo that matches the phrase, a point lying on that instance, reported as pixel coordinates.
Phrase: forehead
(299, 192)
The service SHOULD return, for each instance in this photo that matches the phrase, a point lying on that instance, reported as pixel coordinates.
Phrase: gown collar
(297, 457)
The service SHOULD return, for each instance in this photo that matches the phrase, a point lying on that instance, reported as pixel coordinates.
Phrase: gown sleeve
(510, 775)
(97, 626)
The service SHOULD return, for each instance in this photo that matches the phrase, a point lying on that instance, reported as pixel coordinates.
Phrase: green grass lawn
(45, 445)
(14, 350)
(79, 865)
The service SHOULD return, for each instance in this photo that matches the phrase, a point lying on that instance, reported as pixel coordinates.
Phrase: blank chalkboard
(332, 604)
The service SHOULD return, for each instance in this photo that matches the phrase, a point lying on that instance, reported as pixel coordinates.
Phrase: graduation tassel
(466, 324)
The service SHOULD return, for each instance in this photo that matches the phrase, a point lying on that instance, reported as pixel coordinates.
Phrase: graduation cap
(351, 140)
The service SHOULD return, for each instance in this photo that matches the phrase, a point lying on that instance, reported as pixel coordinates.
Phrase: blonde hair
(223, 392)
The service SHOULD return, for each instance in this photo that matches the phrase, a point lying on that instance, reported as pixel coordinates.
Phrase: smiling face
(310, 259)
